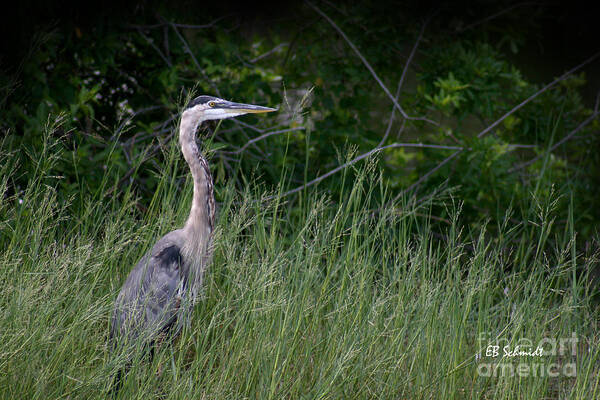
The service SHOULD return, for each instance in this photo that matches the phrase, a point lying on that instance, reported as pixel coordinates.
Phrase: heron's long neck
(201, 219)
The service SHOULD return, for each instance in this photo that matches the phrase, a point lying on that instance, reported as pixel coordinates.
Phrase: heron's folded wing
(148, 302)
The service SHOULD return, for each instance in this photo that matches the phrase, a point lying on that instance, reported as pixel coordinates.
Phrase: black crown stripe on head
(200, 100)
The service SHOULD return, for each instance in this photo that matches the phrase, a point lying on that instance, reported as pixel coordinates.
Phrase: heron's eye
(211, 104)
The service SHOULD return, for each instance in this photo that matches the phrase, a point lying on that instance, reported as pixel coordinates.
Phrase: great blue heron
(159, 292)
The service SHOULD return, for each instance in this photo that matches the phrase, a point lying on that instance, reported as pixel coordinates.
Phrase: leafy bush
(120, 88)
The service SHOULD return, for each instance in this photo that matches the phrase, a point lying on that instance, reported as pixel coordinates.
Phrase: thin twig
(256, 129)
(369, 67)
(155, 47)
(536, 94)
(249, 126)
(138, 137)
(412, 53)
(389, 126)
(360, 157)
(185, 26)
(425, 199)
(127, 157)
(563, 140)
(166, 41)
(401, 129)
(268, 53)
(163, 128)
(132, 116)
(494, 124)
(444, 162)
(148, 156)
(499, 13)
(330, 4)
(189, 51)
(521, 146)
(261, 137)
(427, 175)
(401, 82)
(293, 42)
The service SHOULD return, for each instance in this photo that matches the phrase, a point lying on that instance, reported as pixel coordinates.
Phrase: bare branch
(563, 140)
(135, 114)
(165, 30)
(521, 146)
(148, 156)
(389, 126)
(401, 129)
(494, 124)
(163, 128)
(412, 54)
(184, 26)
(286, 122)
(444, 162)
(189, 51)
(536, 94)
(499, 13)
(368, 65)
(511, 146)
(264, 136)
(400, 83)
(209, 25)
(139, 137)
(249, 126)
(160, 53)
(268, 53)
(427, 175)
(425, 199)
(330, 4)
(360, 157)
(422, 146)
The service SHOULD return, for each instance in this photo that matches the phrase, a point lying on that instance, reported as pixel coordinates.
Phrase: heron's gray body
(152, 297)
(160, 291)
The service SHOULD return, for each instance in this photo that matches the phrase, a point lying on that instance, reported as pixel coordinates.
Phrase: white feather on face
(221, 113)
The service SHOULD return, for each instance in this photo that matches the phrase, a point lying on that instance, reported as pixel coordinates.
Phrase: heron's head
(203, 108)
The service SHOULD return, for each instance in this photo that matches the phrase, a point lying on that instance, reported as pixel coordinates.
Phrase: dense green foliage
(362, 285)
(120, 89)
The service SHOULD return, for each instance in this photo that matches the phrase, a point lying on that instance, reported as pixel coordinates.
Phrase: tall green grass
(306, 299)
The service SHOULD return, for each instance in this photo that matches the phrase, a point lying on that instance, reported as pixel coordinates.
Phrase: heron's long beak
(246, 108)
